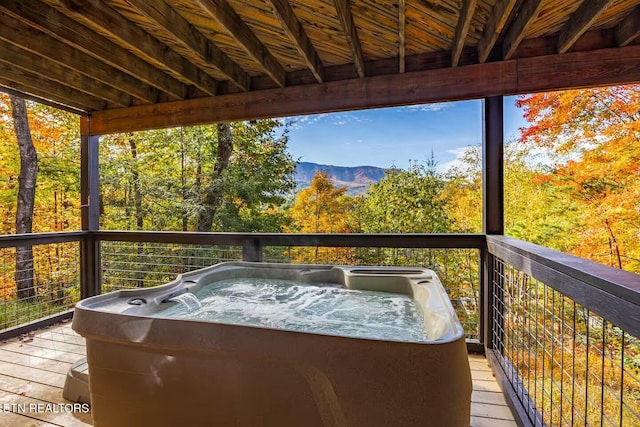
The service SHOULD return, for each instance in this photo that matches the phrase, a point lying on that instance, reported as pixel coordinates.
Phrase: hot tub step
(76, 386)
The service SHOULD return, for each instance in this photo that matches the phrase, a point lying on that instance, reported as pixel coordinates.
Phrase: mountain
(357, 179)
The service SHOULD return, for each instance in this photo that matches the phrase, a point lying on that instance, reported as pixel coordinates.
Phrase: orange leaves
(594, 137)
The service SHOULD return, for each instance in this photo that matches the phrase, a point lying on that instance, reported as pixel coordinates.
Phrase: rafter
(6, 87)
(466, 15)
(65, 29)
(225, 16)
(526, 14)
(344, 13)
(284, 12)
(19, 58)
(189, 37)
(579, 22)
(104, 20)
(402, 26)
(48, 47)
(494, 27)
(629, 29)
(35, 85)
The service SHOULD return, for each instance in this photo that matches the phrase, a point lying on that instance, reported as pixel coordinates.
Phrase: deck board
(33, 367)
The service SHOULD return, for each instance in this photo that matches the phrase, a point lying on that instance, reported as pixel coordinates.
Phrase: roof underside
(97, 56)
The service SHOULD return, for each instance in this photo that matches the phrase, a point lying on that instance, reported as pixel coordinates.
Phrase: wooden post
(493, 206)
(252, 250)
(90, 266)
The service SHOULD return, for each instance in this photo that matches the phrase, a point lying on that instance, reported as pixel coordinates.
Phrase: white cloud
(436, 106)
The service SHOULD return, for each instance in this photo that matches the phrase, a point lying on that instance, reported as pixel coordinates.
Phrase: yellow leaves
(321, 208)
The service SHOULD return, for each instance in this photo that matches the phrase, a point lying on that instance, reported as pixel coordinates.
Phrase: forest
(572, 183)
(571, 180)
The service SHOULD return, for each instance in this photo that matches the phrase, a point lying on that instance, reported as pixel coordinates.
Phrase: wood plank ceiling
(94, 55)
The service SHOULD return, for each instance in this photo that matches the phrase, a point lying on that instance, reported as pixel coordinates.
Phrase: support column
(90, 266)
(492, 210)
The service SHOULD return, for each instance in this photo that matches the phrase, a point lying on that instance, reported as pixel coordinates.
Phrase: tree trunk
(137, 200)
(183, 183)
(26, 197)
(215, 191)
(135, 177)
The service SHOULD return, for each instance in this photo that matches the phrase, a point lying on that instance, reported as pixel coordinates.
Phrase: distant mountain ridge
(357, 179)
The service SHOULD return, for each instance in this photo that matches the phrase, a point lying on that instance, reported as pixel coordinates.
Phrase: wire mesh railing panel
(38, 281)
(139, 265)
(458, 269)
(567, 365)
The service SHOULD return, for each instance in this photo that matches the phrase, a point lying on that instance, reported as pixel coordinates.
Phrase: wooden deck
(33, 370)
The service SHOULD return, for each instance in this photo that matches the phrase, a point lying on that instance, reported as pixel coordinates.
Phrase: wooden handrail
(609, 292)
(33, 239)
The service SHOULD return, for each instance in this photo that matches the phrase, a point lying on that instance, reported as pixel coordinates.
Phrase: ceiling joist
(629, 29)
(492, 30)
(188, 36)
(462, 29)
(579, 22)
(104, 20)
(65, 29)
(10, 89)
(402, 25)
(226, 17)
(346, 19)
(12, 55)
(284, 12)
(36, 85)
(48, 47)
(526, 14)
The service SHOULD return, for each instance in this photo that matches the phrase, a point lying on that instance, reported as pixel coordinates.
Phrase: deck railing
(561, 333)
(563, 336)
(39, 279)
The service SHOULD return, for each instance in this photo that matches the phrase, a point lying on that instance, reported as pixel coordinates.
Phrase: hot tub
(148, 365)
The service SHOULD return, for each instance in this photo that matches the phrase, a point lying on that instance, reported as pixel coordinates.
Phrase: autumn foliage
(593, 137)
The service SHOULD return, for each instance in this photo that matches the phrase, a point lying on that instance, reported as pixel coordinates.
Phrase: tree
(323, 208)
(594, 138)
(406, 201)
(229, 177)
(26, 197)
(215, 191)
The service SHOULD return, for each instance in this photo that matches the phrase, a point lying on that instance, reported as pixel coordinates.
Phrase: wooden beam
(462, 29)
(225, 16)
(346, 19)
(576, 70)
(402, 25)
(629, 29)
(6, 87)
(282, 9)
(381, 91)
(29, 83)
(553, 72)
(39, 66)
(493, 28)
(46, 19)
(46, 46)
(526, 14)
(104, 20)
(579, 22)
(187, 35)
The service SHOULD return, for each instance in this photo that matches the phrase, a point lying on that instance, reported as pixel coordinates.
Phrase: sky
(396, 136)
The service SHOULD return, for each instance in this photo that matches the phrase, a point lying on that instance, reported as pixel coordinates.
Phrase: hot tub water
(320, 308)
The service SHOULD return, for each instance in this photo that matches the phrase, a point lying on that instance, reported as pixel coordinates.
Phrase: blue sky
(395, 136)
